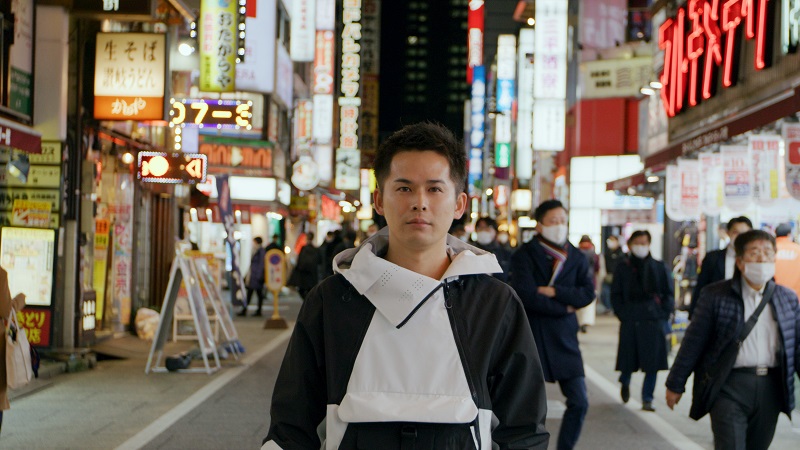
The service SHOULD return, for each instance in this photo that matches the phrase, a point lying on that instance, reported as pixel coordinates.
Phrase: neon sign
(703, 37)
(172, 168)
(214, 113)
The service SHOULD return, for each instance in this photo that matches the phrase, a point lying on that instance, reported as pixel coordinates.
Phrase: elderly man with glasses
(743, 361)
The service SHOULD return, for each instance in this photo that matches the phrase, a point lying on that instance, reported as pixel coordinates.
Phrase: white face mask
(640, 251)
(759, 273)
(556, 234)
(485, 237)
(503, 238)
(612, 245)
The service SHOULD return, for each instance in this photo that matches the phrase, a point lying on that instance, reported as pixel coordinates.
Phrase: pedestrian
(588, 314)
(347, 241)
(6, 303)
(255, 277)
(459, 232)
(643, 301)
(306, 273)
(486, 229)
(611, 257)
(332, 240)
(411, 344)
(787, 259)
(552, 278)
(743, 360)
(275, 244)
(719, 265)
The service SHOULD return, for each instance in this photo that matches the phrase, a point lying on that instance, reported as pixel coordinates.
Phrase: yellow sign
(218, 39)
(211, 113)
(101, 243)
(28, 213)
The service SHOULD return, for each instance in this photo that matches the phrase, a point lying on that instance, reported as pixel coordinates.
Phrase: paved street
(117, 406)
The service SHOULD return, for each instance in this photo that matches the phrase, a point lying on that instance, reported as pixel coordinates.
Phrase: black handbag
(708, 381)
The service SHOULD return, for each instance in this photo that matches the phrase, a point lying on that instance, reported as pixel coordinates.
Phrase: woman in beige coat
(6, 302)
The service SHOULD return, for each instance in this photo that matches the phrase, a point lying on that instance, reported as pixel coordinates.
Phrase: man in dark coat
(719, 265)
(552, 279)
(306, 274)
(643, 300)
(759, 384)
(612, 257)
(255, 279)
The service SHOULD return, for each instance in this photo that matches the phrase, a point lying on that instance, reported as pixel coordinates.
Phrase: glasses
(757, 254)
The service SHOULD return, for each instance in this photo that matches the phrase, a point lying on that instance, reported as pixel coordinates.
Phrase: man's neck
(432, 262)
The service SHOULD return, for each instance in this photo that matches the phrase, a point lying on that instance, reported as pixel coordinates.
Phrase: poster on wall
(27, 255)
(672, 194)
(218, 44)
(791, 134)
(765, 149)
(738, 179)
(711, 184)
(690, 188)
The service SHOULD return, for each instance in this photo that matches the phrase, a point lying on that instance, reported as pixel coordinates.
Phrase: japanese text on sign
(218, 42)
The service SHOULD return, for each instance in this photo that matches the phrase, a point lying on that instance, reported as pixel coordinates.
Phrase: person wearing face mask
(719, 265)
(486, 229)
(611, 257)
(642, 298)
(552, 279)
(744, 342)
(459, 232)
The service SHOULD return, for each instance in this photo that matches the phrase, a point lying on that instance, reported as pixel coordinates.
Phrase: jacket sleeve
(703, 280)
(694, 344)
(299, 397)
(516, 385)
(668, 294)
(617, 288)
(525, 285)
(582, 292)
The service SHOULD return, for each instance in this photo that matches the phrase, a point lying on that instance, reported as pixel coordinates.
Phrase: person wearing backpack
(6, 303)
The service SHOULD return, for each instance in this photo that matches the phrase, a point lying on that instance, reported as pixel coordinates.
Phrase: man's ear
(461, 205)
(378, 200)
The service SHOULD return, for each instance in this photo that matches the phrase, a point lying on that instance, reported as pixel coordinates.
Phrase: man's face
(758, 251)
(737, 229)
(419, 200)
(556, 216)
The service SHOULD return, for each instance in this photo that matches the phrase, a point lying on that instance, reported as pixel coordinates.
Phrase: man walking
(745, 359)
(411, 344)
(552, 278)
(787, 259)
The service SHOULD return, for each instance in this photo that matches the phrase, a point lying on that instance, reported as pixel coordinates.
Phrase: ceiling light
(531, 21)
(647, 91)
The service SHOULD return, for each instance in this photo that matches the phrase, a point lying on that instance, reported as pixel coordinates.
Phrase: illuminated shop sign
(219, 41)
(550, 75)
(477, 127)
(172, 168)
(474, 37)
(303, 29)
(211, 113)
(142, 9)
(348, 156)
(129, 76)
(705, 38)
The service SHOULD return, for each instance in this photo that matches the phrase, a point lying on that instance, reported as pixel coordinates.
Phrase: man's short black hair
(783, 229)
(421, 137)
(545, 207)
(258, 240)
(488, 221)
(750, 236)
(740, 219)
(640, 233)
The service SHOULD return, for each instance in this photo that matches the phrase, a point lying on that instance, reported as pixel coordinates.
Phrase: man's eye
(436, 189)
(404, 189)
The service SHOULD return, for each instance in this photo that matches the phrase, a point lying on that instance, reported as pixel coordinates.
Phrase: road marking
(161, 424)
(659, 425)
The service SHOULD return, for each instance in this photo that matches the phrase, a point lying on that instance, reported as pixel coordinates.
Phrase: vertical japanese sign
(711, 184)
(348, 155)
(301, 46)
(218, 42)
(791, 133)
(284, 76)
(478, 129)
(257, 72)
(323, 88)
(766, 180)
(475, 18)
(102, 228)
(672, 194)
(129, 76)
(690, 188)
(20, 86)
(550, 75)
(122, 267)
(506, 74)
(736, 161)
(523, 167)
(226, 214)
(370, 69)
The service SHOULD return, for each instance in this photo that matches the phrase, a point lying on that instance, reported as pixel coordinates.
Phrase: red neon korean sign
(701, 39)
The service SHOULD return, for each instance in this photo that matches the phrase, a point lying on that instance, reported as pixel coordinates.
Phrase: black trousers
(746, 412)
(260, 294)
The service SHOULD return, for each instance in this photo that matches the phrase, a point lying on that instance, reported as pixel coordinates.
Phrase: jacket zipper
(462, 355)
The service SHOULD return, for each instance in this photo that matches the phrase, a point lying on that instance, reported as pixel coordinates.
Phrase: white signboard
(322, 128)
(791, 132)
(348, 163)
(303, 30)
(550, 77)
(524, 155)
(326, 15)
(284, 76)
(27, 255)
(614, 78)
(711, 183)
(764, 149)
(690, 188)
(672, 194)
(257, 72)
(549, 120)
(736, 161)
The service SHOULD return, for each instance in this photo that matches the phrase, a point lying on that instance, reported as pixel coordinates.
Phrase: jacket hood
(396, 291)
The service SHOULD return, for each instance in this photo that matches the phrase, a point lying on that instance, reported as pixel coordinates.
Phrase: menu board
(27, 255)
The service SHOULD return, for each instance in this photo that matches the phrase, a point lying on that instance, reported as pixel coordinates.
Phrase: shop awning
(19, 137)
(748, 119)
(623, 184)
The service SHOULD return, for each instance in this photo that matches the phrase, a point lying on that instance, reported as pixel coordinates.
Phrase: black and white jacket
(383, 357)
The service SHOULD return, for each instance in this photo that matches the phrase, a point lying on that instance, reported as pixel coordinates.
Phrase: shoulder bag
(708, 382)
(19, 370)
